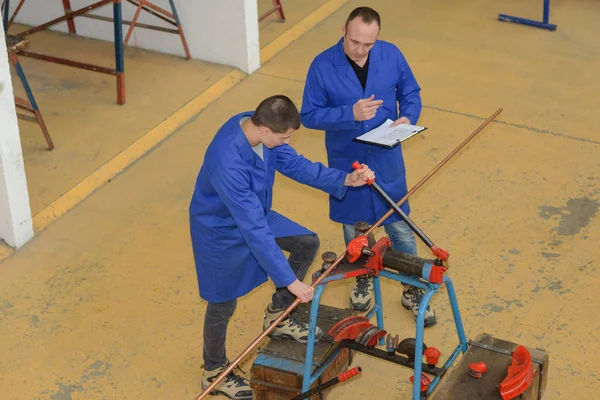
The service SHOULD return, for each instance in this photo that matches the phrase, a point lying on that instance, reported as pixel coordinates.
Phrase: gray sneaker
(411, 300)
(291, 327)
(362, 293)
(233, 386)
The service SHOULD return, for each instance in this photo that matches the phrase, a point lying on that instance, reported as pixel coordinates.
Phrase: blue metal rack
(545, 24)
(310, 377)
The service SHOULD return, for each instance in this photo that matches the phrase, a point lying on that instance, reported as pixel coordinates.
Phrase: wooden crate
(278, 370)
(495, 353)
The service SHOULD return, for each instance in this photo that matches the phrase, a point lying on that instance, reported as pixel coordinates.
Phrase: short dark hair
(278, 113)
(367, 14)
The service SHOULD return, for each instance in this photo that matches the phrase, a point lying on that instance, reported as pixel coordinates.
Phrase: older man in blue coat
(352, 88)
(238, 240)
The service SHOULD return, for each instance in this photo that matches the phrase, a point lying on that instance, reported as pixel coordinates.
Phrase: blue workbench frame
(310, 377)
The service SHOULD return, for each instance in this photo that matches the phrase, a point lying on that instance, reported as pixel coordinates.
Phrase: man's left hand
(360, 177)
(401, 120)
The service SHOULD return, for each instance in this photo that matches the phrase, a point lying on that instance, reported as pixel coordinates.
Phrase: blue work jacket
(331, 90)
(232, 226)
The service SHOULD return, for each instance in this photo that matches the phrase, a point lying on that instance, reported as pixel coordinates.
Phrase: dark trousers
(303, 250)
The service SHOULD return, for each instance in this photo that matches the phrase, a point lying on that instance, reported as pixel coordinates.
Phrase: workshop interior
(111, 113)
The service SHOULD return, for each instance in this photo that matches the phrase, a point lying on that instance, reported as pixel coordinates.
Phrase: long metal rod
(70, 21)
(324, 274)
(126, 22)
(12, 19)
(70, 63)
(435, 169)
(404, 217)
(5, 10)
(150, 11)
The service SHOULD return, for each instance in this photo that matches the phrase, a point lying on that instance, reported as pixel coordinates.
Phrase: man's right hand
(301, 290)
(365, 109)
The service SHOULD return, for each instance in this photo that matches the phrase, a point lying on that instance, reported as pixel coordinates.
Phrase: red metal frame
(70, 21)
(119, 71)
(161, 13)
(277, 8)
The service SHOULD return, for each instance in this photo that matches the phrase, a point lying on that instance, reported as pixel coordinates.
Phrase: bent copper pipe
(326, 272)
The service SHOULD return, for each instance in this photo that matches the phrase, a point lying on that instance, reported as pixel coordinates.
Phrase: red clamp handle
(351, 373)
(356, 166)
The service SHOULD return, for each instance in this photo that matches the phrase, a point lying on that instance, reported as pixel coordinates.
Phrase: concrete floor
(103, 304)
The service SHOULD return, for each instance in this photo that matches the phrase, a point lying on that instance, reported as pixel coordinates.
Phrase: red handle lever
(356, 166)
(351, 373)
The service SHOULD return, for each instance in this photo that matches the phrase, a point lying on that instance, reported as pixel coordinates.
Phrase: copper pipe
(325, 273)
(435, 169)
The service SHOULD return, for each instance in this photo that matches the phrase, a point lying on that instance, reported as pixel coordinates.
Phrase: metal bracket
(509, 353)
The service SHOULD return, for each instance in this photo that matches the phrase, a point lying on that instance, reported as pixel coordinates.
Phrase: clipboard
(387, 136)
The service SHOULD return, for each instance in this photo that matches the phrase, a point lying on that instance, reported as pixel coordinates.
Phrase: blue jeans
(401, 236)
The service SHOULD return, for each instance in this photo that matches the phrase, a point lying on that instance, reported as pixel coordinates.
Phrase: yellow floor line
(147, 142)
(133, 152)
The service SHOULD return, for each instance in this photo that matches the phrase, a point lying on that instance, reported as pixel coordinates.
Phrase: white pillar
(219, 31)
(224, 32)
(16, 227)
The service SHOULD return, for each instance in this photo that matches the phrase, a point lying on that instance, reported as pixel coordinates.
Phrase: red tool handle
(356, 165)
(351, 373)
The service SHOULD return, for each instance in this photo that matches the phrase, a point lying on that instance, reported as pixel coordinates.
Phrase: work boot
(360, 297)
(233, 386)
(411, 300)
(289, 327)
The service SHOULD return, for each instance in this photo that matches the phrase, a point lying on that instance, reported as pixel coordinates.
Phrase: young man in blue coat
(238, 240)
(352, 88)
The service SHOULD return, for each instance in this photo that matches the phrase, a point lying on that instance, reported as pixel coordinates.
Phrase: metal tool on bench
(377, 258)
(351, 373)
(496, 369)
(358, 334)
(333, 266)
(440, 254)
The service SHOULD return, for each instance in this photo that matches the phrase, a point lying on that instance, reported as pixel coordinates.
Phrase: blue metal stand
(310, 377)
(544, 24)
(5, 11)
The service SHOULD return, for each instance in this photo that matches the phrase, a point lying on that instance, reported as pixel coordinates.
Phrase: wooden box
(496, 354)
(278, 370)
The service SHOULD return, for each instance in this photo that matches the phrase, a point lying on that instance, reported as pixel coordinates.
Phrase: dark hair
(367, 14)
(278, 113)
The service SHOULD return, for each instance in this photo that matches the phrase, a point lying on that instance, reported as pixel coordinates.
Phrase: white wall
(16, 227)
(220, 31)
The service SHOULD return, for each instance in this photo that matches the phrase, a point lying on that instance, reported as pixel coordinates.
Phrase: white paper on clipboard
(388, 136)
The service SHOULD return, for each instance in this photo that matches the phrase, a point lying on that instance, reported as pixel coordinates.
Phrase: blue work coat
(232, 226)
(331, 90)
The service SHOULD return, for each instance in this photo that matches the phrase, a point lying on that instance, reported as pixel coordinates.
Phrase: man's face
(272, 139)
(359, 38)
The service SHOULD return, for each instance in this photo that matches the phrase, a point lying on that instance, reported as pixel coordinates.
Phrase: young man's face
(359, 38)
(272, 139)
